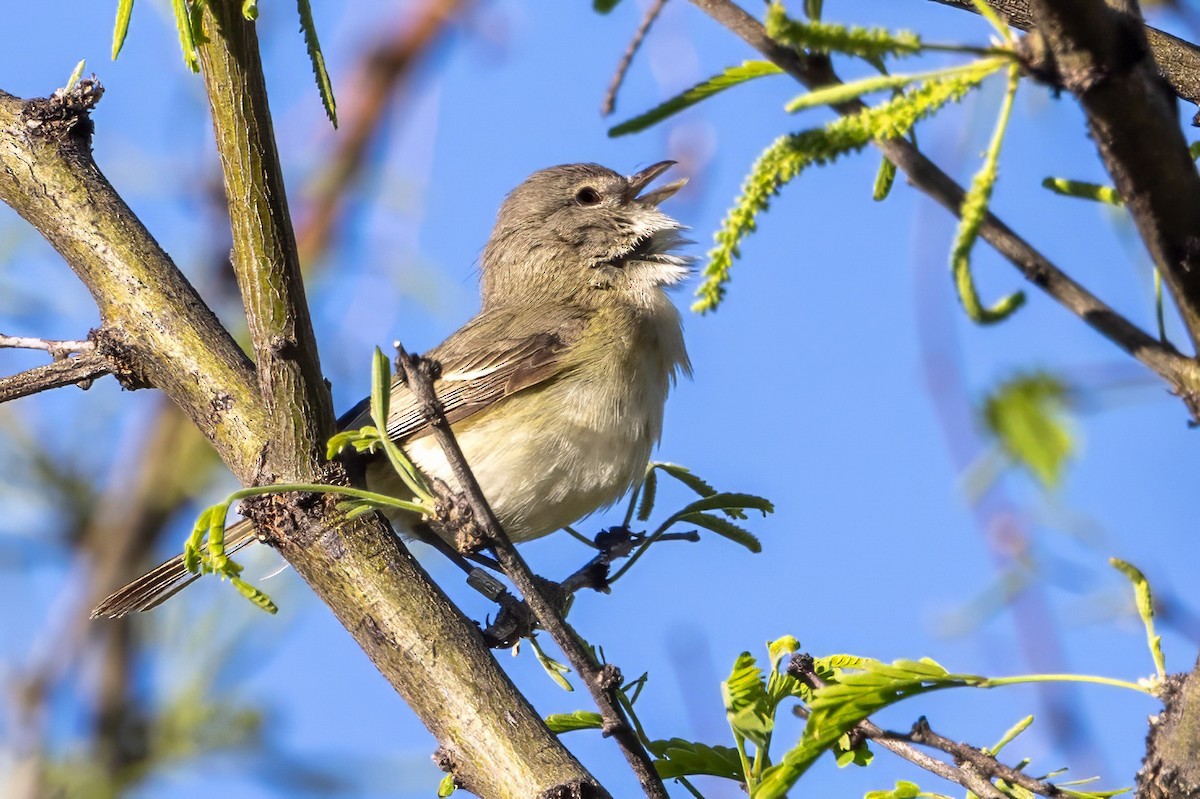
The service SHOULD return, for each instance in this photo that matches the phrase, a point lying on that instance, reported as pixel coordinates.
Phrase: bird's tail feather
(163, 582)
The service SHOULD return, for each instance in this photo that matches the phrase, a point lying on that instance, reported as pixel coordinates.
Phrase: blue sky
(812, 382)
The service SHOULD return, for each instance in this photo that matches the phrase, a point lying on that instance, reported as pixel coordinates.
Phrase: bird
(556, 389)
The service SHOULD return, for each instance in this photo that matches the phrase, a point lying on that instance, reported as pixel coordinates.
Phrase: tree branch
(298, 405)
(1178, 60)
(1099, 53)
(155, 323)
(81, 370)
(1180, 372)
(602, 682)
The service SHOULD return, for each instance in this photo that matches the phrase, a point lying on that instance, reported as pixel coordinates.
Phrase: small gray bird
(555, 390)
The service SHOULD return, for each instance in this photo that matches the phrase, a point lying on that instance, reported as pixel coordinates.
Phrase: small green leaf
(604, 6)
(812, 9)
(187, 34)
(728, 501)
(317, 58)
(250, 9)
(903, 790)
(1194, 150)
(680, 758)
(1083, 190)
(1026, 415)
(1011, 733)
(554, 669)
(837, 93)
(649, 494)
(76, 74)
(746, 701)
(884, 179)
(973, 211)
(1145, 606)
(381, 388)
(124, 14)
(718, 83)
(446, 787)
(254, 595)
(685, 476)
(723, 528)
(579, 720)
(829, 37)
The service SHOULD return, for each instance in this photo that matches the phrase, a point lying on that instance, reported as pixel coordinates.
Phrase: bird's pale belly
(559, 469)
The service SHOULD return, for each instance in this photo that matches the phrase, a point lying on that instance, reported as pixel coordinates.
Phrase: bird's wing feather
(483, 363)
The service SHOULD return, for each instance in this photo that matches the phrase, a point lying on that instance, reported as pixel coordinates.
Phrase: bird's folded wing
(483, 363)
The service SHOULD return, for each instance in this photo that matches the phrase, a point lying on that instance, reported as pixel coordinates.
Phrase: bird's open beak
(646, 176)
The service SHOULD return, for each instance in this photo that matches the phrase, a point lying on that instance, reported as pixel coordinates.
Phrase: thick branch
(1182, 373)
(153, 318)
(1100, 54)
(1178, 60)
(298, 406)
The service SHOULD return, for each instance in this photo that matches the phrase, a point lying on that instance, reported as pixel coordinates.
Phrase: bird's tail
(163, 582)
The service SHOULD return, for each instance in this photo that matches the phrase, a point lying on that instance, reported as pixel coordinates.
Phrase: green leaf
(790, 155)
(604, 6)
(680, 758)
(124, 14)
(727, 501)
(723, 528)
(838, 706)
(1145, 607)
(718, 83)
(812, 9)
(830, 37)
(1026, 415)
(554, 669)
(837, 93)
(884, 179)
(649, 494)
(187, 34)
(1009, 735)
(685, 476)
(381, 388)
(1194, 150)
(579, 720)
(76, 74)
(973, 211)
(250, 10)
(315, 56)
(903, 790)
(1085, 191)
(446, 787)
(746, 701)
(254, 595)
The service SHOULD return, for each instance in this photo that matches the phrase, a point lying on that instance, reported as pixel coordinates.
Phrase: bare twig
(610, 97)
(80, 371)
(1181, 373)
(57, 349)
(602, 681)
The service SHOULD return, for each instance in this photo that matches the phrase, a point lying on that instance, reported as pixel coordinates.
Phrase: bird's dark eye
(587, 196)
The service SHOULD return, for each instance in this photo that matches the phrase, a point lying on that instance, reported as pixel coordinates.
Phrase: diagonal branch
(1180, 372)
(602, 682)
(156, 326)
